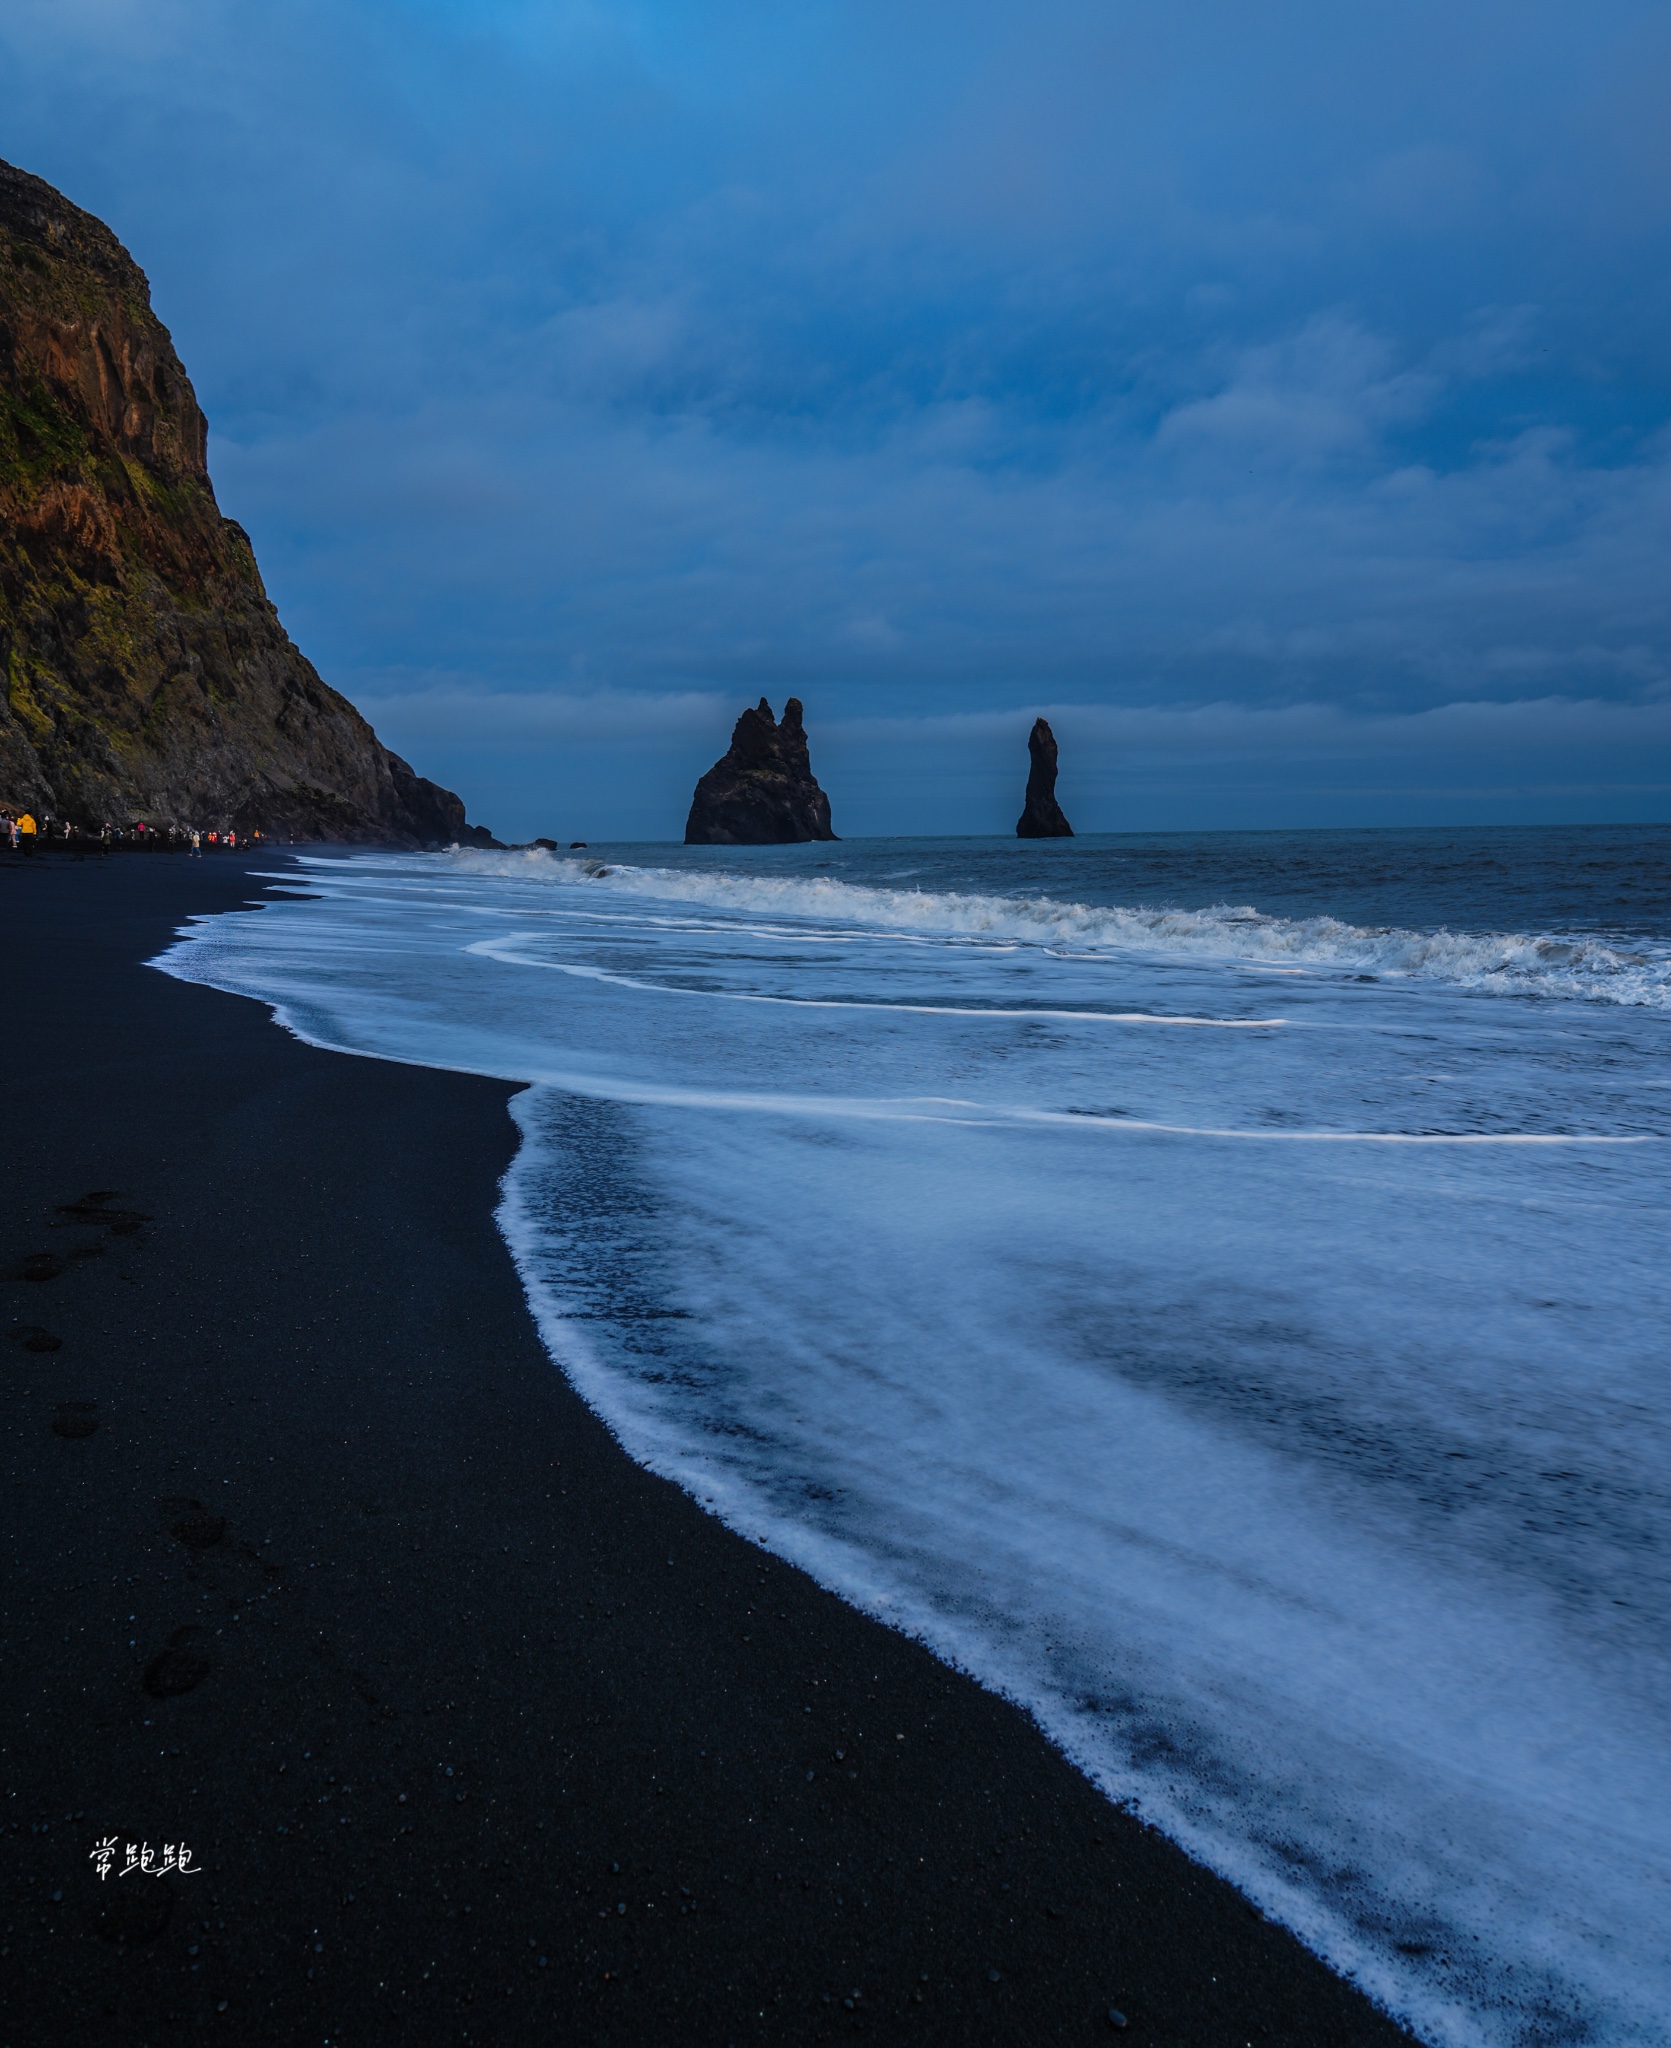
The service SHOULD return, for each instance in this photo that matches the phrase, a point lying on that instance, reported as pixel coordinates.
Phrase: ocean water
(1213, 1288)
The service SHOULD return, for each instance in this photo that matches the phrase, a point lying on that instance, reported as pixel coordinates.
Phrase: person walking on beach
(27, 830)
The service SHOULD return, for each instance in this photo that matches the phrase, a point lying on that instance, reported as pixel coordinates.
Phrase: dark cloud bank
(1278, 399)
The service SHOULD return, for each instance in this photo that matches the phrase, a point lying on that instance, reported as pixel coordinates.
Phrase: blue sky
(1276, 397)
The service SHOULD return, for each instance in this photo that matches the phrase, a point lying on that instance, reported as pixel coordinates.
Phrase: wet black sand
(478, 1732)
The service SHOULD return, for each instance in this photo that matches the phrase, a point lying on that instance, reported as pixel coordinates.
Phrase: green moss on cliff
(38, 439)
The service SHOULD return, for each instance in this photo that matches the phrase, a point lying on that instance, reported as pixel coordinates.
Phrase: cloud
(669, 554)
(922, 361)
(1125, 767)
(1243, 732)
(460, 717)
(1331, 389)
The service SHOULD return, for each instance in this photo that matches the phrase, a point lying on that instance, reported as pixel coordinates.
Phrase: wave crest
(1583, 965)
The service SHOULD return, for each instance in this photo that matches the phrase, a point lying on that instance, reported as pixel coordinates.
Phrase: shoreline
(537, 1683)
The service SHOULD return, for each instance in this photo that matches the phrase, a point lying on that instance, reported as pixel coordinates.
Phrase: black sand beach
(477, 1731)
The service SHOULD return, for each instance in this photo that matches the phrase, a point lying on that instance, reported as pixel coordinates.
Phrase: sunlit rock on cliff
(147, 674)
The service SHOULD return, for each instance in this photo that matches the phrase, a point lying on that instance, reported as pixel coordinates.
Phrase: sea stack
(1042, 817)
(148, 677)
(763, 791)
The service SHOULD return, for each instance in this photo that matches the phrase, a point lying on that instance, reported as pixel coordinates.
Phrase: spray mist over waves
(1574, 965)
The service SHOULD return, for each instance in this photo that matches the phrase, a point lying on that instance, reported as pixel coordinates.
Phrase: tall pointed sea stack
(147, 675)
(1042, 817)
(763, 792)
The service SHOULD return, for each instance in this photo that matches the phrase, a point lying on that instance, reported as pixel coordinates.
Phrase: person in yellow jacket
(26, 831)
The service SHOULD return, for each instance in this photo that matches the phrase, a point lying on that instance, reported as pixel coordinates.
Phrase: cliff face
(146, 674)
(1041, 816)
(763, 791)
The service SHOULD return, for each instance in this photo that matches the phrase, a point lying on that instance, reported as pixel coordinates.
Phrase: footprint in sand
(94, 1210)
(180, 1667)
(75, 1419)
(39, 1266)
(31, 1337)
(192, 1524)
(90, 1211)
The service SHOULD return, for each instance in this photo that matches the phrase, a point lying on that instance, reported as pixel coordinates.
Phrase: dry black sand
(478, 1732)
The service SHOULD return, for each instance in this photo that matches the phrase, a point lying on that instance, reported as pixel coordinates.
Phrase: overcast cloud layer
(1278, 397)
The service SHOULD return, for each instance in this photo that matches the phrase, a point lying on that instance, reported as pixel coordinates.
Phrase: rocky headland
(147, 674)
(762, 791)
(1042, 818)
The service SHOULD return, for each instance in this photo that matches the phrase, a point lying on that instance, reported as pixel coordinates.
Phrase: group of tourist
(23, 832)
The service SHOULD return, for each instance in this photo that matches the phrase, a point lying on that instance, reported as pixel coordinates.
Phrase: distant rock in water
(763, 793)
(1042, 818)
(148, 677)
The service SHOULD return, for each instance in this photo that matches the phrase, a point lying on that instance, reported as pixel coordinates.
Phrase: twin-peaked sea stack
(147, 677)
(762, 792)
(1042, 816)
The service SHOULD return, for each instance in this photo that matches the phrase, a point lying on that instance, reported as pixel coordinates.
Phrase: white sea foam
(507, 950)
(1279, 1412)
(1543, 963)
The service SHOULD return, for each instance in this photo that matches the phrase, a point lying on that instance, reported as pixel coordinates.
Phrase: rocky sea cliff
(147, 674)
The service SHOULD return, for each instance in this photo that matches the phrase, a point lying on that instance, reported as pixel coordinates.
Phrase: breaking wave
(1582, 965)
